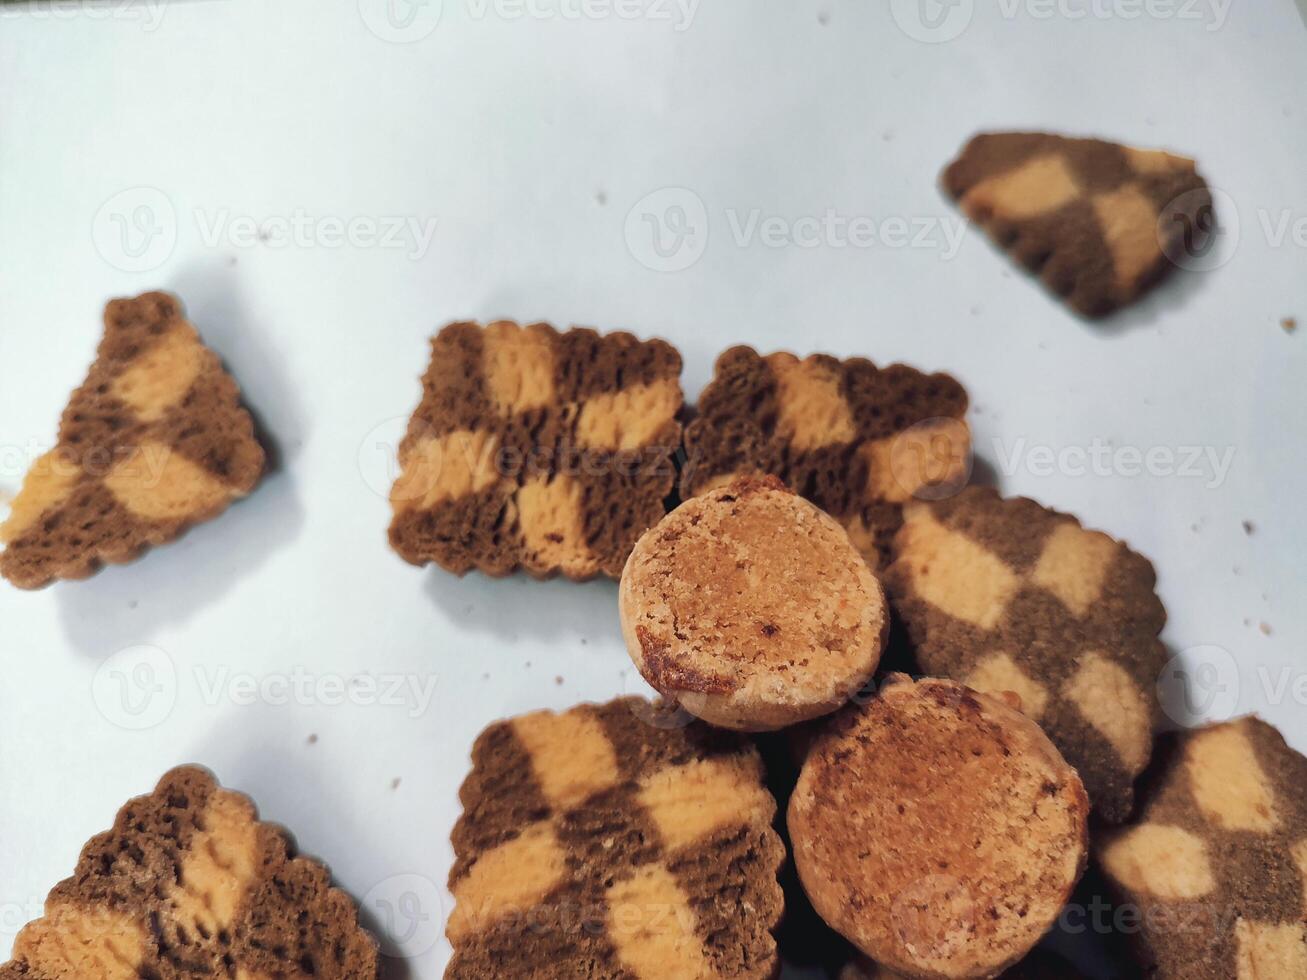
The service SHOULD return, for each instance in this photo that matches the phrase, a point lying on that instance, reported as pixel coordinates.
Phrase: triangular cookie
(1098, 222)
(154, 440)
(190, 883)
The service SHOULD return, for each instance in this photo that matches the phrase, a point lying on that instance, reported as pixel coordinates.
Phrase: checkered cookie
(1005, 595)
(857, 440)
(189, 883)
(1215, 863)
(606, 842)
(536, 449)
(1098, 222)
(154, 440)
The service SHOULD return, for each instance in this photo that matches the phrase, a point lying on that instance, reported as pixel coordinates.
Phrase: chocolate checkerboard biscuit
(750, 607)
(189, 883)
(1100, 223)
(1006, 595)
(154, 440)
(857, 440)
(938, 829)
(1215, 863)
(535, 449)
(607, 842)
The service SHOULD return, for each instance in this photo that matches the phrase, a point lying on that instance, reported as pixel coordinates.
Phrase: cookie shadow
(516, 606)
(1173, 294)
(129, 604)
(293, 795)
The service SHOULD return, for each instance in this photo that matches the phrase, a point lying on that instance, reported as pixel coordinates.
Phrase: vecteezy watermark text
(1211, 464)
(939, 21)
(137, 230)
(668, 230)
(138, 687)
(147, 13)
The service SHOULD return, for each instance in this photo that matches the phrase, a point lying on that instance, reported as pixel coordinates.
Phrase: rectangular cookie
(614, 842)
(534, 449)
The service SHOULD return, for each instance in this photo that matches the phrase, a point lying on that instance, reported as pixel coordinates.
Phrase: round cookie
(751, 608)
(938, 830)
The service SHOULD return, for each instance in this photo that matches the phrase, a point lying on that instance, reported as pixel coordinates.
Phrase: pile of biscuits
(809, 521)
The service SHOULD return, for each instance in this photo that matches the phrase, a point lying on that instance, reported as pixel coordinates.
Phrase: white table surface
(528, 137)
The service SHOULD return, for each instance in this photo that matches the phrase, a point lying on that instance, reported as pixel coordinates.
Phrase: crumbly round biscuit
(751, 608)
(938, 830)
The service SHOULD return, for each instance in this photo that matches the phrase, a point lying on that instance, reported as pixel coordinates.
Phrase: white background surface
(528, 140)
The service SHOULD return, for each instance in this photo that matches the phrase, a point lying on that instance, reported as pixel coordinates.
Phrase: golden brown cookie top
(1216, 859)
(855, 439)
(1007, 595)
(751, 608)
(537, 449)
(938, 829)
(1099, 222)
(154, 440)
(189, 882)
(614, 841)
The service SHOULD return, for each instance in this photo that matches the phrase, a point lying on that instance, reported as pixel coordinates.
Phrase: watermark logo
(410, 911)
(136, 229)
(667, 230)
(930, 460)
(933, 21)
(136, 688)
(1199, 233)
(1199, 685)
(378, 456)
(401, 21)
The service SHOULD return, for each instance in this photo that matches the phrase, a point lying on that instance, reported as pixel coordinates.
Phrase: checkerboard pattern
(1005, 595)
(535, 449)
(189, 883)
(1100, 223)
(606, 842)
(857, 440)
(154, 440)
(1216, 861)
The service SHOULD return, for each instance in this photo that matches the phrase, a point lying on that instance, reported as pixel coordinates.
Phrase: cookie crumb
(823, 17)
(1265, 628)
(394, 783)
(559, 680)
(1248, 527)
(1290, 324)
(313, 739)
(601, 198)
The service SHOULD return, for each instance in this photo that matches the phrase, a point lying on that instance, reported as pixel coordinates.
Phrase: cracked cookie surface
(750, 607)
(938, 829)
